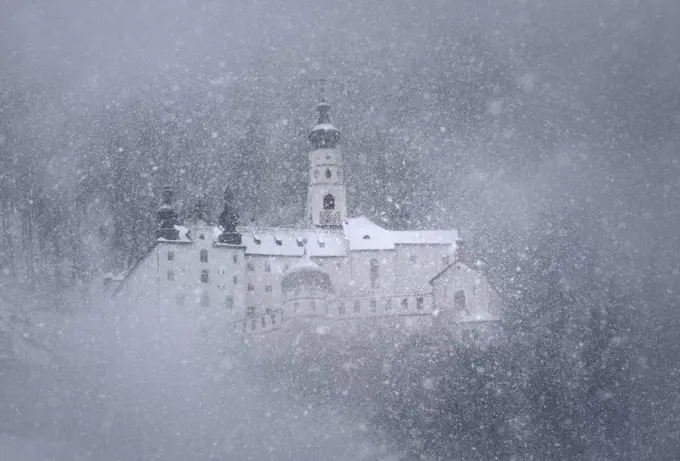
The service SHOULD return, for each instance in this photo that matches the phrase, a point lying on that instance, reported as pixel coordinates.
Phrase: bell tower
(326, 197)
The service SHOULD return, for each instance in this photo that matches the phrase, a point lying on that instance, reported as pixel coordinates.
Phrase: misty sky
(593, 84)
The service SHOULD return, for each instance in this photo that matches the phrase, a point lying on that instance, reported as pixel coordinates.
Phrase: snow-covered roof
(325, 127)
(358, 234)
(183, 236)
(305, 264)
(363, 234)
(292, 242)
(306, 272)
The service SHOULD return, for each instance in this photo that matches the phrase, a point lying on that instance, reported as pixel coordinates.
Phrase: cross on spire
(322, 82)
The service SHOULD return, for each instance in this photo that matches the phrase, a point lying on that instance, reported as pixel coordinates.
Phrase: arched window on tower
(205, 300)
(328, 173)
(375, 273)
(328, 202)
(460, 301)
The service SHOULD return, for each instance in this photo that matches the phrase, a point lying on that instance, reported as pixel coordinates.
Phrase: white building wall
(263, 276)
(227, 281)
(479, 296)
(361, 283)
(415, 265)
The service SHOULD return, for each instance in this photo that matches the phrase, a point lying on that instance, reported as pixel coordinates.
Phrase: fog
(547, 132)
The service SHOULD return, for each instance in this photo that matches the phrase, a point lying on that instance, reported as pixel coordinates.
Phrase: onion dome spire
(324, 135)
(167, 217)
(229, 220)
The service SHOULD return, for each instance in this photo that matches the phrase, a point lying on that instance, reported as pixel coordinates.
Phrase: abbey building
(338, 269)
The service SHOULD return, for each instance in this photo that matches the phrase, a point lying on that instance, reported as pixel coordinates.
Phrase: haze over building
(338, 268)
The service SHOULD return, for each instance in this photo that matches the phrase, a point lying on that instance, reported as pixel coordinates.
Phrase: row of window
(387, 305)
(205, 278)
(204, 301)
(203, 256)
(263, 322)
(267, 267)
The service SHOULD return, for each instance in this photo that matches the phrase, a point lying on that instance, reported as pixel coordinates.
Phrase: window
(251, 287)
(235, 259)
(268, 288)
(229, 302)
(374, 305)
(420, 303)
(253, 324)
(341, 309)
(374, 273)
(205, 300)
(459, 300)
(296, 307)
(273, 317)
(204, 256)
(263, 321)
(171, 255)
(171, 275)
(312, 305)
(267, 267)
(328, 173)
(445, 261)
(251, 267)
(412, 259)
(201, 236)
(388, 305)
(204, 276)
(250, 311)
(235, 279)
(357, 306)
(328, 202)
(404, 303)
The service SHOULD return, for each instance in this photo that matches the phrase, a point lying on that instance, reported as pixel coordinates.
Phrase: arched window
(459, 300)
(205, 300)
(204, 256)
(328, 173)
(375, 274)
(328, 202)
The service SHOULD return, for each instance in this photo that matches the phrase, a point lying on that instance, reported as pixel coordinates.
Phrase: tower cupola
(229, 220)
(167, 217)
(324, 135)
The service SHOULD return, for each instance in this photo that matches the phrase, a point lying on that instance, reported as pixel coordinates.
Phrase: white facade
(464, 299)
(375, 273)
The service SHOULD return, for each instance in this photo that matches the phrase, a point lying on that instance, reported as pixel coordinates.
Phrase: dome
(324, 134)
(306, 274)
